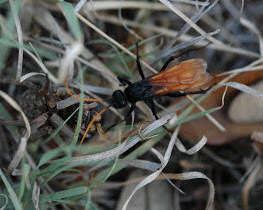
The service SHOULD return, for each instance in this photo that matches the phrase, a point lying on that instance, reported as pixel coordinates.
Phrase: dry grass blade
(255, 173)
(193, 149)
(109, 5)
(245, 22)
(255, 30)
(216, 42)
(195, 18)
(198, 175)
(91, 25)
(71, 101)
(245, 88)
(45, 19)
(67, 102)
(42, 66)
(79, 5)
(173, 33)
(20, 39)
(78, 97)
(210, 117)
(241, 70)
(120, 149)
(31, 74)
(22, 145)
(143, 164)
(190, 22)
(57, 121)
(92, 88)
(67, 63)
(35, 196)
(157, 154)
(187, 44)
(155, 174)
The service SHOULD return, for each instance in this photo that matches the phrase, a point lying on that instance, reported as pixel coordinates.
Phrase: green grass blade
(100, 177)
(72, 20)
(80, 114)
(77, 191)
(11, 192)
(59, 128)
(25, 174)
(7, 42)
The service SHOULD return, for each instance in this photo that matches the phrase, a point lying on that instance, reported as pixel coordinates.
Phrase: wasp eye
(119, 99)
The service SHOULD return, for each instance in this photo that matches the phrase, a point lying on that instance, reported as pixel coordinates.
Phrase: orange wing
(187, 76)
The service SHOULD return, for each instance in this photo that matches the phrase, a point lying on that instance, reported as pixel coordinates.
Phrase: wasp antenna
(92, 122)
(76, 96)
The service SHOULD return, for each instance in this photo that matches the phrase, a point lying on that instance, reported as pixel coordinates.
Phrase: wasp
(181, 79)
(187, 77)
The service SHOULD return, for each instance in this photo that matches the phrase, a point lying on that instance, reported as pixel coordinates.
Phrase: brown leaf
(195, 129)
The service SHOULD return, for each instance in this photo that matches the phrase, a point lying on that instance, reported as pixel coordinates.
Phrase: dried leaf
(197, 128)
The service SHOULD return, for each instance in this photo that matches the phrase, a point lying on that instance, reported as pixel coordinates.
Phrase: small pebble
(246, 108)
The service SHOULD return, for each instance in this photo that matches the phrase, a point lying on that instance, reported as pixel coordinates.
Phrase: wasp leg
(154, 110)
(151, 105)
(124, 81)
(169, 61)
(177, 94)
(180, 55)
(138, 62)
(133, 106)
(200, 91)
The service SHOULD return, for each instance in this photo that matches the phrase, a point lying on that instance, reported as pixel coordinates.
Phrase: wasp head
(118, 99)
